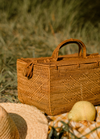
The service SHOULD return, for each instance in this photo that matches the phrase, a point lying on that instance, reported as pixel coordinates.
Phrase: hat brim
(30, 121)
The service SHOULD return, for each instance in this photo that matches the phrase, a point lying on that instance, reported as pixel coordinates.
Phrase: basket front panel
(69, 86)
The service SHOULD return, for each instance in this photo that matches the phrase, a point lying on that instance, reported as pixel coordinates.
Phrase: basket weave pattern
(35, 90)
(54, 84)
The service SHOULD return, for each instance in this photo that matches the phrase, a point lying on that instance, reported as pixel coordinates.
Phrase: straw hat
(21, 121)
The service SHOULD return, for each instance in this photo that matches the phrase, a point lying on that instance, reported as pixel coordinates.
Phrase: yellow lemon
(82, 110)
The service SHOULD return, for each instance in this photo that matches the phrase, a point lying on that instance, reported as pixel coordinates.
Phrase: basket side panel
(34, 91)
(69, 86)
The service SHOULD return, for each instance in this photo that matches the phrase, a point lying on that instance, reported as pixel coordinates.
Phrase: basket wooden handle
(78, 42)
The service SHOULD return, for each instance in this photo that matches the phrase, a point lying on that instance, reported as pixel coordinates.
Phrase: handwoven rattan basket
(54, 84)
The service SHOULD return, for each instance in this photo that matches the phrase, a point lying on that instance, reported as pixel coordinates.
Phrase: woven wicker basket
(54, 84)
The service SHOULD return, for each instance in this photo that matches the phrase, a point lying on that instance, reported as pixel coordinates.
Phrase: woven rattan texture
(56, 90)
(34, 91)
(68, 87)
(53, 84)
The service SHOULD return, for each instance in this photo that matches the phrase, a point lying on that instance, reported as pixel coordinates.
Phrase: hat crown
(8, 129)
